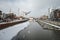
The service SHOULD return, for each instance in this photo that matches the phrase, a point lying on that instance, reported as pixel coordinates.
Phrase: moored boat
(8, 24)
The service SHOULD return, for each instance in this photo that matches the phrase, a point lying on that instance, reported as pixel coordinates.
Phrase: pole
(49, 12)
(10, 10)
(18, 11)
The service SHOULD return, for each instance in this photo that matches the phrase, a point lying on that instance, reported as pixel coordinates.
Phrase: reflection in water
(57, 35)
(35, 32)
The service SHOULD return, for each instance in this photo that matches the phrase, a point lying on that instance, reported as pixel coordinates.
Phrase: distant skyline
(37, 7)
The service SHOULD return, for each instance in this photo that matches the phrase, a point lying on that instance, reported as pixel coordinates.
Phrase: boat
(9, 24)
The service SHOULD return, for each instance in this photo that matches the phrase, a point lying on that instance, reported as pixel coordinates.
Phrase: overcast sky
(37, 7)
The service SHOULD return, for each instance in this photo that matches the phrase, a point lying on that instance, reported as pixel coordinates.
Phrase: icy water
(8, 33)
(35, 32)
(28, 31)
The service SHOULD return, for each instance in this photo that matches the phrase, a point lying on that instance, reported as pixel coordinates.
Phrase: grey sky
(37, 7)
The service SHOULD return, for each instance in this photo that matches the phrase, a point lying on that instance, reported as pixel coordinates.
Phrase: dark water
(35, 32)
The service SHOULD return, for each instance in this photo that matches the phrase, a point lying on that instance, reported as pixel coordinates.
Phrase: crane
(26, 13)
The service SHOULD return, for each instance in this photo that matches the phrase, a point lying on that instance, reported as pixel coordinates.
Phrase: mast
(10, 10)
(18, 11)
(48, 12)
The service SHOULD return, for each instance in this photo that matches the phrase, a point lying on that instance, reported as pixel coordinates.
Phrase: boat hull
(9, 24)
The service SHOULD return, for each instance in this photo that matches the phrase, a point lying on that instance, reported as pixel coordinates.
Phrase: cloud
(38, 7)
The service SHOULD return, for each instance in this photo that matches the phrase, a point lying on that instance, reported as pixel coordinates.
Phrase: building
(44, 17)
(0, 12)
(0, 15)
(55, 14)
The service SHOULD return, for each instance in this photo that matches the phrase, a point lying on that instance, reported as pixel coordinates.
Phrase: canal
(29, 31)
(35, 32)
